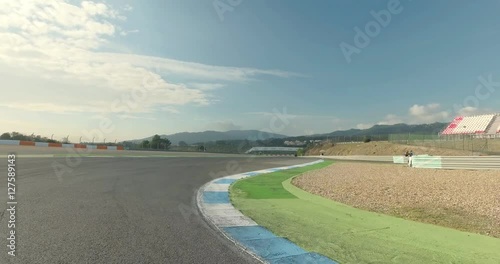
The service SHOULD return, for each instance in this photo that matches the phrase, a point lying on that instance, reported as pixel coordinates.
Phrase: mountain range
(253, 135)
(208, 136)
(401, 128)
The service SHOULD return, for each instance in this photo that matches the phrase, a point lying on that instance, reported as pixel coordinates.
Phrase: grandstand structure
(478, 126)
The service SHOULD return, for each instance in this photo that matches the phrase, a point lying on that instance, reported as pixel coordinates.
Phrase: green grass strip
(266, 187)
(350, 235)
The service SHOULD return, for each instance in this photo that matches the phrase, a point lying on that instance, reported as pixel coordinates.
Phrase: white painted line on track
(217, 188)
(227, 220)
(221, 213)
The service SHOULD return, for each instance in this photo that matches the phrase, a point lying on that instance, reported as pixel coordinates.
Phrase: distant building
(295, 143)
(272, 150)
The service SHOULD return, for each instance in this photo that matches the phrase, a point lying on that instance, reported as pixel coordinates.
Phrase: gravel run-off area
(466, 200)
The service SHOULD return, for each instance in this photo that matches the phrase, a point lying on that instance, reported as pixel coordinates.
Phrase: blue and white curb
(214, 204)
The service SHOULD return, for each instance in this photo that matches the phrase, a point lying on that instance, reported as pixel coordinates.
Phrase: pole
(472, 145)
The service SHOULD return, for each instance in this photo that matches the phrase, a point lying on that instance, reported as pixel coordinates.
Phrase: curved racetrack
(120, 210)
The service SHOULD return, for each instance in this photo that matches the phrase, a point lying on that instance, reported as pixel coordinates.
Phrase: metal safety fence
(489, 144)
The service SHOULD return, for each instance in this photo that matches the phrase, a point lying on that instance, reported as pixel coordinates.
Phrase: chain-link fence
(474, 143)
(355, 139)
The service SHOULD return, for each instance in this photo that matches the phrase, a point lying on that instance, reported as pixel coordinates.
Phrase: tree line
(38, 138)
(156, 142)
(219, 146)
(23, 137)
(159, 143)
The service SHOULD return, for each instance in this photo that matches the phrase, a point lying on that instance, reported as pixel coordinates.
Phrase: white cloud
(10, 125)
(60, 45)
(469, 111)
(260, 113)
(391, 119)
(423, 114)
(417, 114)
(207, 86)
(49, 107)
(125, 33)
(418, 110)
(196, 70)
(223, 126)
(94, 9)
(363, 126)
(284, 114)
(170, 109)
(427, 113)
(128, 8)
(135, 117)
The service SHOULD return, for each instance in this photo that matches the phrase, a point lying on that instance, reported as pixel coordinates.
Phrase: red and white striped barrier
(57, 145)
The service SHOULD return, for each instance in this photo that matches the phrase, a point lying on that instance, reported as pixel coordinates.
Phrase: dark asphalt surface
(29, 150)
(118, 210)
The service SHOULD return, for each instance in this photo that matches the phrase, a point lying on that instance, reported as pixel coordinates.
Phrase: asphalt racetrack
(117, 209)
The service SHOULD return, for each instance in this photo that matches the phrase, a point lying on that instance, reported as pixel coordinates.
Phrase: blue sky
(69, 66)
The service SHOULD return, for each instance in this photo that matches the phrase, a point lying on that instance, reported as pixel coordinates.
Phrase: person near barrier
(410, 159)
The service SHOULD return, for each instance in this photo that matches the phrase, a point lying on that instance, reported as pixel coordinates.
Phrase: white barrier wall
(458, 162)
(400, 159)
(10, 142)
(429, 162)
(357, 158)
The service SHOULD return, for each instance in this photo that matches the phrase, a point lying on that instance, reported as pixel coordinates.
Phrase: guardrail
(357, 158)
(431, 162)
(458, 162)
(57, 145)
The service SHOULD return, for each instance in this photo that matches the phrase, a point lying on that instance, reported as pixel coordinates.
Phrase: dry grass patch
(462, 199)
